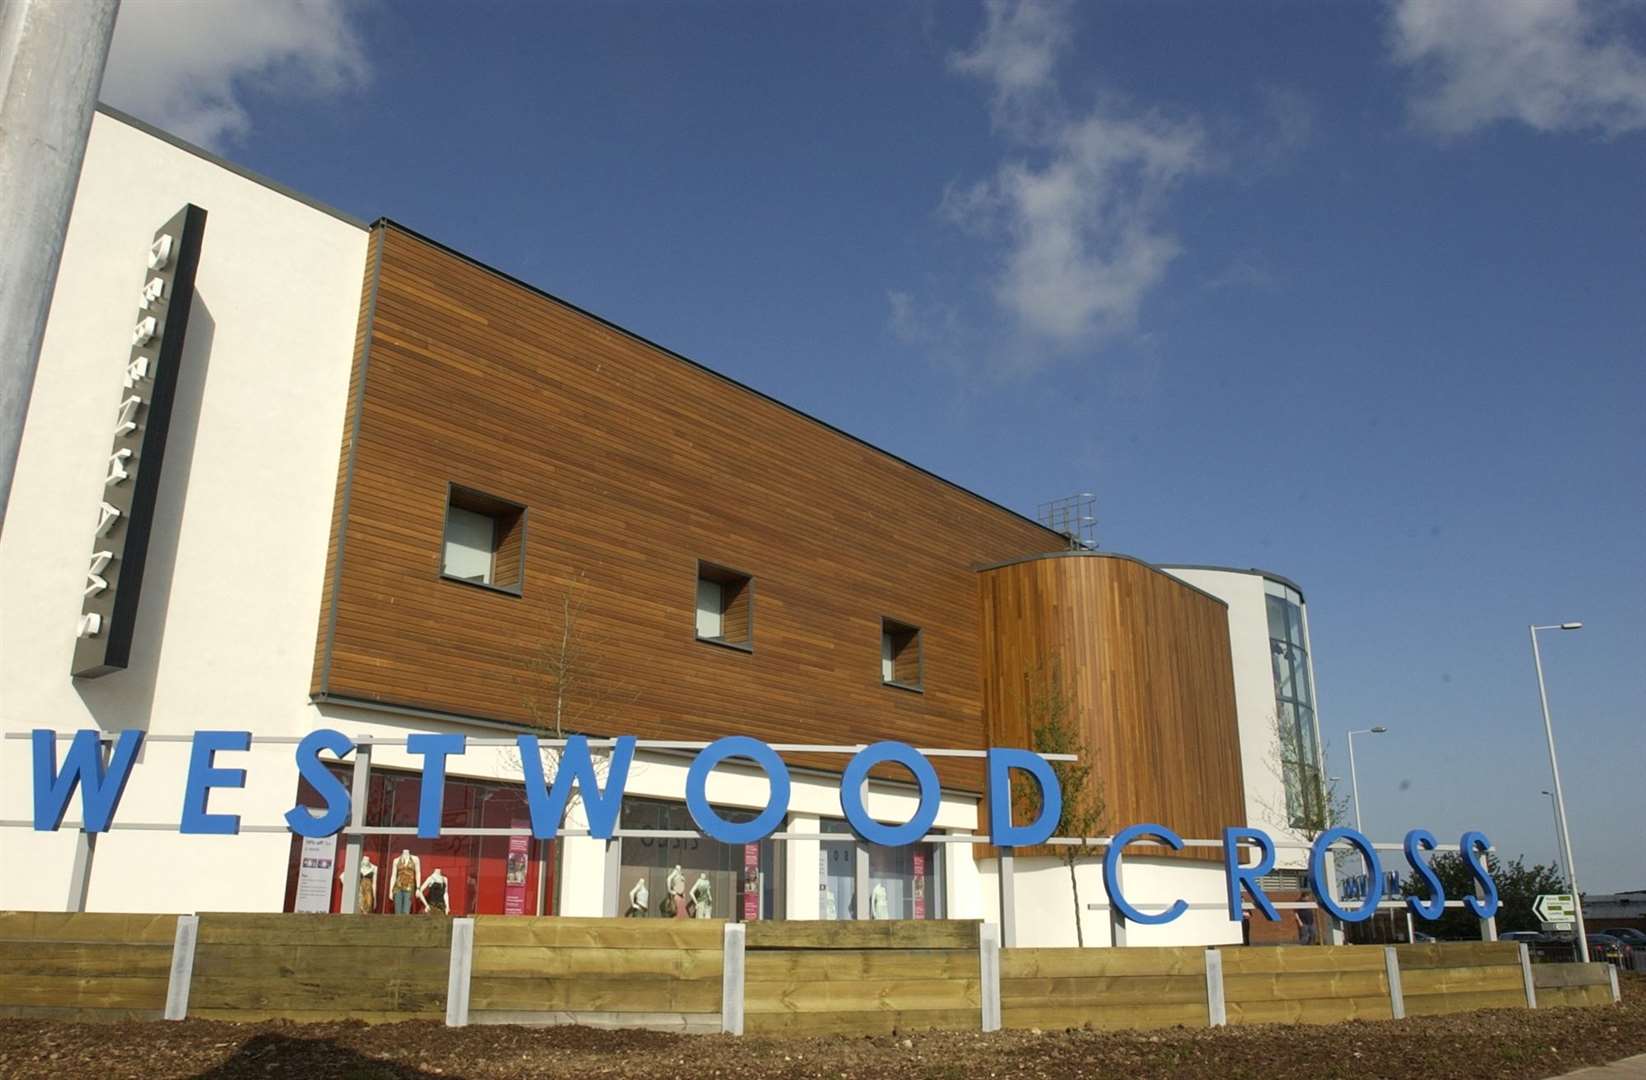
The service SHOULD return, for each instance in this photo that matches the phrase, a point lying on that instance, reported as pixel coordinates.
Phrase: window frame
(497, 508)
(887, 625)
(722, 574)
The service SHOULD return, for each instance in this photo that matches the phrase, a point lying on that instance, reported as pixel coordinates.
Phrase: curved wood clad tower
(1144, 659)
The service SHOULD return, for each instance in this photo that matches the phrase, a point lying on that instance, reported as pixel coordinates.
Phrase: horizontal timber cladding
(1103, 988)
(1312, 984)
(1459, 976)
(1561, 985)
(815, 978)
(84, 965)
(611, 972)
(1144, 662)
(320, 967)
(634, 465)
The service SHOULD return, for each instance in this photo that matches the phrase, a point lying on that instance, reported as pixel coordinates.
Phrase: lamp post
(1354, 781)
(1556, 811)
(1560, 798)
(1354, 789)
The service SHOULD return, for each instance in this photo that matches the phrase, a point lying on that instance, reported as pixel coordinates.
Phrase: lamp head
(1571, 626)
(1379, 729)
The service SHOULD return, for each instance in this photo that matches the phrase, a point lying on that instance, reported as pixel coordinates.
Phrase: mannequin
(404, 876)
(435, 893)
(879, 907)
(702, 898)
(674, 904)
(830, 911)
(639, 897)
(365, 901)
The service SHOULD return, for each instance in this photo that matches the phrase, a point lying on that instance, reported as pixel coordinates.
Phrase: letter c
(1111, 872)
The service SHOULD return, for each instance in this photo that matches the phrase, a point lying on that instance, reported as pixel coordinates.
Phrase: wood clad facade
(1144, 659)
(634, 465)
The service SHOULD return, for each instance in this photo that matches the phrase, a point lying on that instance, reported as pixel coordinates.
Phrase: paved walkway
(1628, 1069)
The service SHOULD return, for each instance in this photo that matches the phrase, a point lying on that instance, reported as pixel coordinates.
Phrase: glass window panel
(470, 541)
(710, 622)
(837, 874)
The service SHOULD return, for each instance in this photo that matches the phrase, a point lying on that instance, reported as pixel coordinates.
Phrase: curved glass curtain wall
(1295, 709)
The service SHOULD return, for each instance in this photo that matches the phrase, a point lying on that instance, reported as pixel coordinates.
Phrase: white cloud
(1556, 65)
(1078, 206)
(183, 66)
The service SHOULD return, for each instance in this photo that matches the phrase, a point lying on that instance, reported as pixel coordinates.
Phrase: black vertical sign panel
(131, 484)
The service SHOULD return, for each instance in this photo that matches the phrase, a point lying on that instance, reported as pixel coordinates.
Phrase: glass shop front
(689, 877)
(904, 882)
(456, 875)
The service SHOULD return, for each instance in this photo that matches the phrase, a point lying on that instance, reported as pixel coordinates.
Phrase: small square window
(485, 541)
(725, 606)
(900, 654)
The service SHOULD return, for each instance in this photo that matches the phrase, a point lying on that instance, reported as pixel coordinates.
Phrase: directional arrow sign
(1555, 907)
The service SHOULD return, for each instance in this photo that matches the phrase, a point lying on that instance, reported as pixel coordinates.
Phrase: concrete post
(1488, 927)
(458, 975)
(1526, 976)
(1217, 1010)
(731, 980)
(988, 961)
(52, 54)
(182, 967)
(1397, 993)
(861, 888)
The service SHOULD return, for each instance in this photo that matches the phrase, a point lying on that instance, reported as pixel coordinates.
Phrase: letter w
(548, 807)
(83, 767)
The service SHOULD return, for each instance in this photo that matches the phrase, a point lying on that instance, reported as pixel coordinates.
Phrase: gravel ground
(1485, 1044)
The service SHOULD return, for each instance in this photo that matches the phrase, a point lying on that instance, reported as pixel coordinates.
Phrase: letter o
(851, 794)
(1374, 875)
(737, 832)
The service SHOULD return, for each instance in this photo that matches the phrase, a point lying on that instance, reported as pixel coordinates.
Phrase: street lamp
(1556, 811)
(1560, 798)
(1354, 781)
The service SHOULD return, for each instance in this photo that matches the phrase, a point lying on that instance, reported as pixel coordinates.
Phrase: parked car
(1529, 937)
(1636, 939)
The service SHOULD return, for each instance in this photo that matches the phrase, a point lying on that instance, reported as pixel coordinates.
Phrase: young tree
(567, 690)
(1054, 728)
(1518, 887)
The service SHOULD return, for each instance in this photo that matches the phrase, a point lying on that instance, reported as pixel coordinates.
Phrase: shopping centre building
(403, 492)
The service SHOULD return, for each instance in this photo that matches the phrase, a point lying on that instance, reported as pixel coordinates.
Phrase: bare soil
(1501, 1043)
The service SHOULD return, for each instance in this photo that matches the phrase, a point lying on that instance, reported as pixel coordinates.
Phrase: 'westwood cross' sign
(131, 480)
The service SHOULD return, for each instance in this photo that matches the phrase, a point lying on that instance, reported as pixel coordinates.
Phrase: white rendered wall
(231, 594)
(1255, 701)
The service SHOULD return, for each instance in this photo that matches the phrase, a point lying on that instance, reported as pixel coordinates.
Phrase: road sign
(1556, 908)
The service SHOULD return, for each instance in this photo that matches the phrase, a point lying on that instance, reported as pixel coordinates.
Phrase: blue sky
(1356, 293)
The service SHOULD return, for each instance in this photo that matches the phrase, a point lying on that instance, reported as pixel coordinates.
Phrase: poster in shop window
(920, 884)
(514, 871)
(751, 881)
(315, 873)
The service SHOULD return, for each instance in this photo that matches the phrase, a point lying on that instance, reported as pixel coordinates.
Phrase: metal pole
(1354, 781)
(1555, 811)
(52, 54)
(353, 845)
(1560, 805)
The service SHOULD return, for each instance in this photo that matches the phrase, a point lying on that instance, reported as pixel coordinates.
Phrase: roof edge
(223, 163)
(1252, 570)
(1162, 570)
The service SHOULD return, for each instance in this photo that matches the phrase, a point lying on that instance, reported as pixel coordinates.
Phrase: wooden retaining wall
(1311, 984)
(85, 966)
(1103, 988)
(320, 967)
(1560, 985)
(812, 978)
(770, 978)
(651, 973)
(1460, 976)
